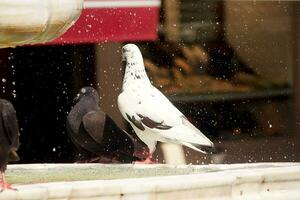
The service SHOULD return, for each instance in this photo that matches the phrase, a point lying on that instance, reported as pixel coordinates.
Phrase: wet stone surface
(42, 173)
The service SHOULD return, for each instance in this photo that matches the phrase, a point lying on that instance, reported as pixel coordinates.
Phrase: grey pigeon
(9, 139)
(91, 130)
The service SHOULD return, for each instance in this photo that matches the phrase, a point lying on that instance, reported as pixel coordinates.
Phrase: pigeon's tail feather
(188, 136)
(199, 139)
(201, 148)
(194, 135)
(192, 147)
(13, 156)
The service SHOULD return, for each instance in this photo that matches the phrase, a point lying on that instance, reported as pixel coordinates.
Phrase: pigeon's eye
(125, 50)
(83, 90)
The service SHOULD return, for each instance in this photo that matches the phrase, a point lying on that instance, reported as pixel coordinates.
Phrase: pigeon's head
(87, 92)
(131, 53)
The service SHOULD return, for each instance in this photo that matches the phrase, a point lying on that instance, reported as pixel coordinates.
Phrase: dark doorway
(47, 78)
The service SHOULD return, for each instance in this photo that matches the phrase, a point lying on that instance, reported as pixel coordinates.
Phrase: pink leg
(148, 160)
(4, 185)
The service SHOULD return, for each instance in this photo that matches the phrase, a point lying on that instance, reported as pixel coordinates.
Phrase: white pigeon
(152, 116)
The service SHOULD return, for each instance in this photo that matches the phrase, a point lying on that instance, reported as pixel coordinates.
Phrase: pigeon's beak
(123, 57)
(76, 99)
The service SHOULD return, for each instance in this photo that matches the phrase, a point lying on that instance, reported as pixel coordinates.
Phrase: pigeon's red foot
(6, 186)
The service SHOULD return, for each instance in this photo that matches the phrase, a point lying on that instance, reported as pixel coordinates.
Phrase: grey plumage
(92, 130)
(9, 134)
(9, 139)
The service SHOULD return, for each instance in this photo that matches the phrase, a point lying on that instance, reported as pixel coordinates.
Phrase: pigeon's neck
(135, 75)
(92, 102)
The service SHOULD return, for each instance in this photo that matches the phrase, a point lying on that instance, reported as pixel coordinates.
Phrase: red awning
(114, 20)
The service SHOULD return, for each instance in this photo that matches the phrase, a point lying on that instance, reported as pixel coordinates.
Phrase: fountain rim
(260, 179)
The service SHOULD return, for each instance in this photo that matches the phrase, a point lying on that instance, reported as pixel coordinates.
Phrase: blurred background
(232, 67)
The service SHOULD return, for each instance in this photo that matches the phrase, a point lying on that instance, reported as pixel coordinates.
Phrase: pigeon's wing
(156, 111)
(10, 123)
(152, 110)
(94, 122)
(149, 109)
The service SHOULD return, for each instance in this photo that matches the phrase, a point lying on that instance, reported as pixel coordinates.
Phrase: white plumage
(152, 116)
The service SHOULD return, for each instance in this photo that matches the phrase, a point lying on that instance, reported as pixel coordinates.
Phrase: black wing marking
(94, 122)
(137, 123)
(153, 124)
